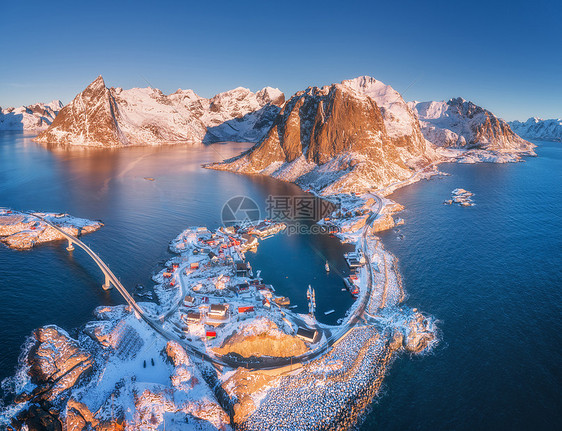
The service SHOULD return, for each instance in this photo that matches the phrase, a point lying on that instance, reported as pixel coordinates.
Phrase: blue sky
(504, 56)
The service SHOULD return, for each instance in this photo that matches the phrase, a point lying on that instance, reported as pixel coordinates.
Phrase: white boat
(328, 312)
(327, 266)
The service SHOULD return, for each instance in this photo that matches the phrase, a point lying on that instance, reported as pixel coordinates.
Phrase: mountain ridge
(337, 138)
(35, 117)
(539, 129)
(458, 123)
(112, 117)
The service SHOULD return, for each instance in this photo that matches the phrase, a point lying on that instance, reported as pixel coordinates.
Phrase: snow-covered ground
(23, 230)
(210, 299)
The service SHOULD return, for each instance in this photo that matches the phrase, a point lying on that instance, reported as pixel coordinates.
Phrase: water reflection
(47, 285)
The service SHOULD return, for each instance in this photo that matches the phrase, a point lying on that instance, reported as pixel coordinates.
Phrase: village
(211, 293)
(218, 329)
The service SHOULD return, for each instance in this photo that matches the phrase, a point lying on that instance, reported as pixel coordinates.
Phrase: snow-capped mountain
(352, 136)
(458, 123)
(537, 128)
(30, 118)
(101, 116)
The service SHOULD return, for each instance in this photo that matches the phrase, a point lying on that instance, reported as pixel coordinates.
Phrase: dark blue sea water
(49, 285)
(490, 273)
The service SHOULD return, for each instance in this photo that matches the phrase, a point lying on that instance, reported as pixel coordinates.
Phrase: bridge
(230, 361)
(110, 278)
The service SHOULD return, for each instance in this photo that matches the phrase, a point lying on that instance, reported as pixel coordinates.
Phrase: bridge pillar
(70, 246)
(107, 284)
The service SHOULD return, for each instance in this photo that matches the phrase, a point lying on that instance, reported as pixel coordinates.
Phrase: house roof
(218, 307)
(306, 333)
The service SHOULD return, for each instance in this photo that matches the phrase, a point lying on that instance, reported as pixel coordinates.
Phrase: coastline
(96, 335)
(384, 293)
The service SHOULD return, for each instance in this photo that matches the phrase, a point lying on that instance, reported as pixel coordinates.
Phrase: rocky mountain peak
(97, 84)
(99, 116)
(271, 95)
(466, 108)
(339, 138)
(462, 124)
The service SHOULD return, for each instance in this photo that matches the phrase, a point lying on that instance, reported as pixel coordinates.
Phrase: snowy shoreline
(23, 231)
(88, 363)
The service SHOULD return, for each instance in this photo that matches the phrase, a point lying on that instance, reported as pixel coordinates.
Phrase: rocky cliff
(30, 118)
(137, 381)
(537, 128)
(352, 136)
(111, 117)
(462, 124)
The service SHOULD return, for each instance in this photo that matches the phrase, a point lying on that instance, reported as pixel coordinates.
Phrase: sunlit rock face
(113, 117)
(352, 136)
(462, 124)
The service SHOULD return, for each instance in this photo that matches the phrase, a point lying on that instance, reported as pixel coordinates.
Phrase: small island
(23, 231)
(220, 348)
(461, 197)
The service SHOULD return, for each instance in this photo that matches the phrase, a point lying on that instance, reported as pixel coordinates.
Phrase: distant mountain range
(458, 123)
(361, 135)
(539, 129)
(353, 136)
(30, 118)
(111, 117)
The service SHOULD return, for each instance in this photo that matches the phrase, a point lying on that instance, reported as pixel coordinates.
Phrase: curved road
(231, 361)
(129, 299)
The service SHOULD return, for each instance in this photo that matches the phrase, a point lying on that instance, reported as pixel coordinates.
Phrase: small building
(249, 241)
(194, 265)
(193, 317)
(242, 287)
(282, 301)
(212, 256)
(189, 301)
(243, 310)
(211, 334)
(306, 334)
(265, 293)
(218, 311)
(262, 286)
(228, 230)
(242, 269)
